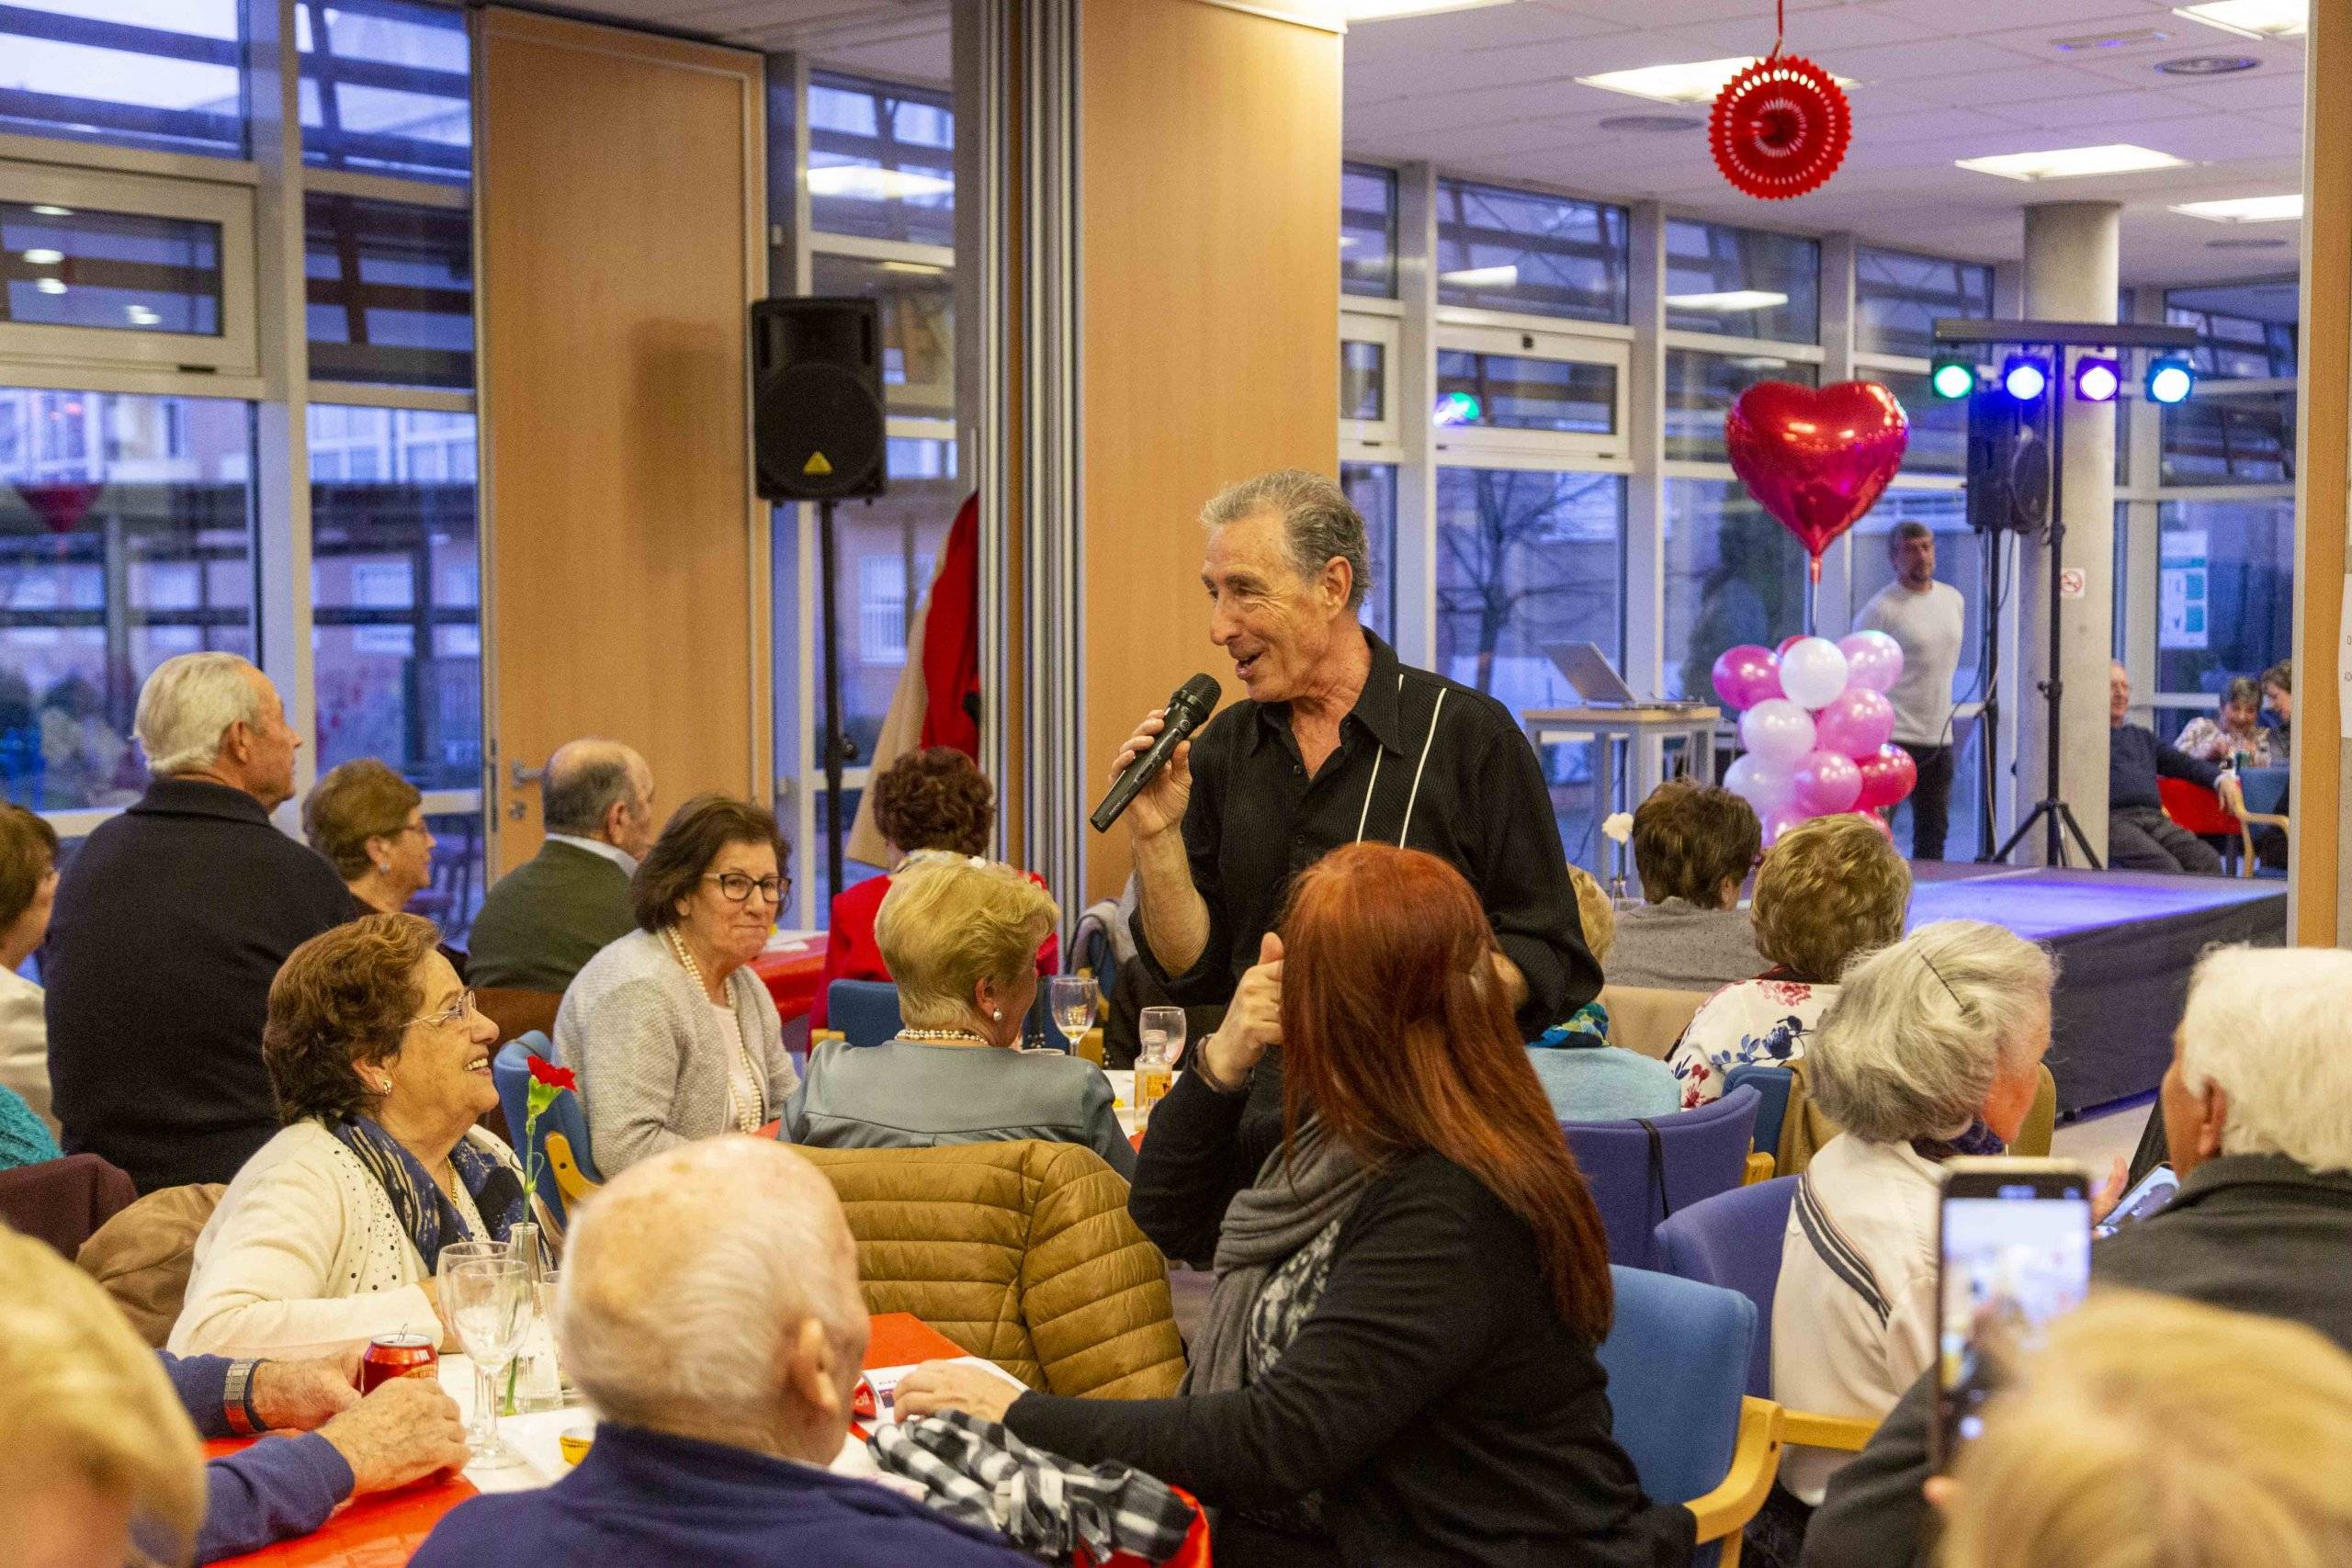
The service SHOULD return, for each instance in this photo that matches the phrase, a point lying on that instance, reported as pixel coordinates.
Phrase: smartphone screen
(2155, 1191)
(2016, 1255)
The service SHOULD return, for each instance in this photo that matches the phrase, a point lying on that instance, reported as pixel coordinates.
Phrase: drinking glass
(1161, 1032)
(1073, 1004)
(489, 1305)
(452, 1254)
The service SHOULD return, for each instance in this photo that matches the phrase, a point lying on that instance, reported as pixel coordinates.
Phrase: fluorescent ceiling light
(1382, 11)
(50, 285)
(1697, 82)
(2252, 18)
(2246, 209)
(1727, 301)
(140, 316)
(1481, 277)
(869, 184)
(44, 257)
(2069, 163)
(44, 209)
(913, 269)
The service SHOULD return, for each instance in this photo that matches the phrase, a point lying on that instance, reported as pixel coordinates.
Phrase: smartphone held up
(2014, 1255)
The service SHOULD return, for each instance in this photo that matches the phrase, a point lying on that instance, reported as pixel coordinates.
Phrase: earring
(383, 865)
(996, 1013)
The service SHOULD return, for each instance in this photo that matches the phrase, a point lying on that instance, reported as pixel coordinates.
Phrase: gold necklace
(972, 1035)
(746, 1120)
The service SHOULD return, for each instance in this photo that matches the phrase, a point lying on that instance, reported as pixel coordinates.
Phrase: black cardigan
(171, 922)
(1433, 1397)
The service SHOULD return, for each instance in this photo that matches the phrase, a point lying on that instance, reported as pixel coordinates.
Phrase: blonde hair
(2152, 1430)
(1594, 912)
(78, 1388)
(1830, 888)
(946, 925)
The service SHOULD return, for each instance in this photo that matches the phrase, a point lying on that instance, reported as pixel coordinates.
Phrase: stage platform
(2125, 941)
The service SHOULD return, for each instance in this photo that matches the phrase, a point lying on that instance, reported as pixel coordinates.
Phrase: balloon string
(1779, 24)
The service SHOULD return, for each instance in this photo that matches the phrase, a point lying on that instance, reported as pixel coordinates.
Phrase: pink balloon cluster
(1815, 727)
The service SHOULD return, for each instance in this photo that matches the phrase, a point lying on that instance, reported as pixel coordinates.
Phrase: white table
(1606, 728)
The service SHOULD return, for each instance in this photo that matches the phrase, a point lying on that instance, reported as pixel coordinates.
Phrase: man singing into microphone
(1336, 742)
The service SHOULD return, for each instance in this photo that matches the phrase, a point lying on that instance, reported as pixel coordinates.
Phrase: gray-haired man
(555, 911)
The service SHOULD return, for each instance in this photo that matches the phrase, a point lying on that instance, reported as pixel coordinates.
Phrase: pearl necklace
(972, 1035)
(746, 1120)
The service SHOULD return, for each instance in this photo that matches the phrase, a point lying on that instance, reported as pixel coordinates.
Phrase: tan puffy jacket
(143, 1257)
(1022, 1253)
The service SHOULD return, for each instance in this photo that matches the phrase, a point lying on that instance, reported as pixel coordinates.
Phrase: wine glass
(1073, 1004)
(489, 1305)
(452, 1254)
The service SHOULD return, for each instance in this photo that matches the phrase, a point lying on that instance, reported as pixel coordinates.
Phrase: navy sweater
(2135, 756)
(277, 1488)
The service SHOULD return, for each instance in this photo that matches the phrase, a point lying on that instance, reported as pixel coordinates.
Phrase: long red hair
(1395, 1032)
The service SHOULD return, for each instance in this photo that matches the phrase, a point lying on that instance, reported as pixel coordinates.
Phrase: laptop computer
(1596, 681)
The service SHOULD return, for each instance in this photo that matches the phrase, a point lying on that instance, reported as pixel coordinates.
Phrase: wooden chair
(518, 1012)
(1648, 1020)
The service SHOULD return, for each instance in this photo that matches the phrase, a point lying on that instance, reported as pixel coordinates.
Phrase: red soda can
(394, 1356)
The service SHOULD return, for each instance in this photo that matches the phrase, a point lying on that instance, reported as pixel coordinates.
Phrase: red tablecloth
(791, 975)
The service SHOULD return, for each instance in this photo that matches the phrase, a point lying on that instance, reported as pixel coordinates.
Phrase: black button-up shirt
(1422, 762)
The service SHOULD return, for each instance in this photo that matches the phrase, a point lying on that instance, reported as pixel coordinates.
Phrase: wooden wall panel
(1209, 295)
(624, 559)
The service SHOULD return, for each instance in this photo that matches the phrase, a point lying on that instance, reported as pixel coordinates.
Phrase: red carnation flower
(548, 1073)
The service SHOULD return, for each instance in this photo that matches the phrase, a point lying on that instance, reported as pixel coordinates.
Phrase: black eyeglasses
(737, 887)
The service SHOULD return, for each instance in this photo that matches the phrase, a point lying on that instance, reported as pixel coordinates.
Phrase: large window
(386, 88)
(2218, 438)
(390, 292)
(1368, 231)
(1700, 388)
(1733, 576)
(1513, 250)
(881, 160)
(1495, 391)
(2225, 590)
(163, 74)
(1526, 558)
(118, 271)
(1372, 488)
(1898, 297)
(888, 552)
(126, 536)
(1742, 282)
(395, 592)
(917, 303)
(2246, 331)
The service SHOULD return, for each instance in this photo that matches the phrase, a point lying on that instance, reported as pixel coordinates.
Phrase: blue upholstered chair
(1638, 1178)
(1732, 1241)
(1771, 1086)
(1676, 1357)
(865, 1011)
(567, 1167)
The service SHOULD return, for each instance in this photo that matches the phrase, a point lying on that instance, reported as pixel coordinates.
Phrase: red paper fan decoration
(1780, 128)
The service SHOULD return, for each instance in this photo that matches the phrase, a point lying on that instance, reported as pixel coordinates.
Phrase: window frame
(1473, 446)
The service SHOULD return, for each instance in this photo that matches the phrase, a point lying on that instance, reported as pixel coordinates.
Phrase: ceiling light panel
(2252, 18)
(2073, 163)
(2246, 209)
(1694, 82)
(1383, 10)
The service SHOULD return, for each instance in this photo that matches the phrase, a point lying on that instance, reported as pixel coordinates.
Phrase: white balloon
(1777, 730)
(1813, 671)
(1766, 786)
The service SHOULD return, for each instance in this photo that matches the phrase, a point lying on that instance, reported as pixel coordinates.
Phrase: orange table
(384, 1530)
(791, 974)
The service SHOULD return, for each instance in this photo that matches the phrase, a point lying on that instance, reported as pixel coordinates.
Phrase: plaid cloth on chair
(978, 1472)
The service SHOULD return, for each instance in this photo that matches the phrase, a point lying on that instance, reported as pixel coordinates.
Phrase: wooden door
(624, 559)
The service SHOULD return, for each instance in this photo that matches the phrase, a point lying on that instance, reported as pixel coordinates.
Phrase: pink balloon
(1746, 675)
(1827, 783)
(1856, 723)
(1777, 730)
(1764, 785)
(1872, 659)
(1888, 775)
(1875, 820)
(1780, 821)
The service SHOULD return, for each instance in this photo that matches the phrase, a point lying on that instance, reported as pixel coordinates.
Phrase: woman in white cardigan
(331, 1231)
(672, 1035)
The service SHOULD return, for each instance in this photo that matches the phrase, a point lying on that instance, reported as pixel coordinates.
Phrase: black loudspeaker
(2009, 462)
(817, 426)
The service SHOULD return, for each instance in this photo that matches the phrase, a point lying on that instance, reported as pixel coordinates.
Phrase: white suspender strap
(1365, 815)
(1427, 740)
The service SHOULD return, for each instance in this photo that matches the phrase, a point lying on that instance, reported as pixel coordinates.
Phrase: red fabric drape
(951, 640)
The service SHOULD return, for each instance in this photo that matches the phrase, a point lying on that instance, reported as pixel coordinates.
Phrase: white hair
(187, 706)
(2273, 1027)
(685, 1278)
(1921, 1028)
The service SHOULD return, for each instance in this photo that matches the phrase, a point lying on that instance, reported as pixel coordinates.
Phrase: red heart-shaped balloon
(1816, 460)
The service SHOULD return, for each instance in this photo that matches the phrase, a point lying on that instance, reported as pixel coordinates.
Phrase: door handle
(525, 777)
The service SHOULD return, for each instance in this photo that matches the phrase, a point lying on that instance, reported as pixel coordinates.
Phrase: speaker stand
(836, 744)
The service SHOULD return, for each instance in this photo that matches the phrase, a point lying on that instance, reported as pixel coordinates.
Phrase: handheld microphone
(1191, 704)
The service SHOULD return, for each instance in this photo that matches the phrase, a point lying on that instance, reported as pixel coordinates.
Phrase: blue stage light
(2025, 378)
(2098, 381)
(2170, 381)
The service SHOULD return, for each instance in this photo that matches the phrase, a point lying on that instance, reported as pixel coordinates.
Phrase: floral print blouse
(2204, 739)
(1762, 1023)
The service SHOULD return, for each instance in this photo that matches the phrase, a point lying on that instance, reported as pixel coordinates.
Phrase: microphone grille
(1200, 691)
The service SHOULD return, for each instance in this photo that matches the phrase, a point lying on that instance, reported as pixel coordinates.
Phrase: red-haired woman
(1398, 1365)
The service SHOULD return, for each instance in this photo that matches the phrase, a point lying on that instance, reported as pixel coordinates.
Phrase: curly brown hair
(935, 799)
(358, 801)
(1831, 888)
(1689, 840)
(342, 998)
(27, 853)
(690, 840)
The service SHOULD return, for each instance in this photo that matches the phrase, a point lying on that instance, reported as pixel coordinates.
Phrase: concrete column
(2071, 275)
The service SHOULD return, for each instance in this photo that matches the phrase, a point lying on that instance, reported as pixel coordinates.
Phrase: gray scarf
(1289, 1206)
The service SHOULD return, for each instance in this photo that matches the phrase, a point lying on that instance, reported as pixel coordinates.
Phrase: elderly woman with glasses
(332, 1230)
(674, 1038)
